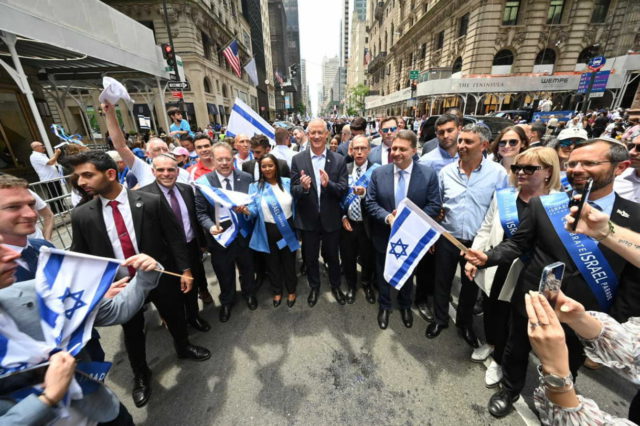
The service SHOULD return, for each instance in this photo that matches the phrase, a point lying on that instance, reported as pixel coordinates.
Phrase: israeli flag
(69, 287)
(412, 233)
(244, 120)
(224, 200)
(17, 349)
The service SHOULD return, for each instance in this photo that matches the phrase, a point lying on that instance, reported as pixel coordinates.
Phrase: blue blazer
(23, 274)
(375, 156)
(423, 190)
(259, 240)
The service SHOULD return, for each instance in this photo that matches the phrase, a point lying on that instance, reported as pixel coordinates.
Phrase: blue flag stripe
(255, 123)
(401, 272)
(52, 268)
(399, 221)
(4, 347)
(46, 314)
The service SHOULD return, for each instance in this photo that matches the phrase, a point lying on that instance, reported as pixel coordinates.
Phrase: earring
(547, 179)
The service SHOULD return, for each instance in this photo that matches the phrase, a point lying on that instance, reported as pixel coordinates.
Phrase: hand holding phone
(579, 201)
(551, 281)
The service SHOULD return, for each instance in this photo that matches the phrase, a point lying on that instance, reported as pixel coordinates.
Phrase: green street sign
(414, 74)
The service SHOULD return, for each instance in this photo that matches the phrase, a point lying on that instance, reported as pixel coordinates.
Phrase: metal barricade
(57, 194)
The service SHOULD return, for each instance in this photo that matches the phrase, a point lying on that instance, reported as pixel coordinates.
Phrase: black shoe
(196, 353)
(225, 313)
(141, 388)
(199, 324)
(313, 298)
(434, 329)
(252, 303)
(407, 317)
(369, 294)
(351, 296)
(338, 295)
(276, 302)
(469, 336)
(291, 302)
(501, 403)
(425, 312)
(383, 318)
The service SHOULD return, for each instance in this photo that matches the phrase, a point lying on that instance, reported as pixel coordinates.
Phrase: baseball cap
(180, 151)
(573, 133)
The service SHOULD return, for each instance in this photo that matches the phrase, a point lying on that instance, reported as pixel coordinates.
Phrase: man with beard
(594, 276)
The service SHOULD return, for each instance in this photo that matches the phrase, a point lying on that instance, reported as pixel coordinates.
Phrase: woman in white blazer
(534, 172)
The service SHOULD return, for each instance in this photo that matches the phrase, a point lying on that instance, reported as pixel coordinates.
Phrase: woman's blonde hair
(548, 158)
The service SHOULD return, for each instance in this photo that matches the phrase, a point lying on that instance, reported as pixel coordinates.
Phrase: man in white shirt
(282, 150)
(48, 169)
(627, 185)
(141, 170)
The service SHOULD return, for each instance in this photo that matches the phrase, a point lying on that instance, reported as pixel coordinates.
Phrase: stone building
(475, 53)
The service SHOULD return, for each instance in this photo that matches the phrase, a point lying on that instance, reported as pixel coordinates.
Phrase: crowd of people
(335, 200)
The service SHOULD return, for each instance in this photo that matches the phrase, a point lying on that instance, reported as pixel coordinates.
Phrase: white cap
(573, 133)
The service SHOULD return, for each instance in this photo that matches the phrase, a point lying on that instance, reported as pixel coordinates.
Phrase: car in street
(495, 124)
(510, 114)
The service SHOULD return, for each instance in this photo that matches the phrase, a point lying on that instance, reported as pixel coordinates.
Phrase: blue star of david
(398, 249)
(77, 296)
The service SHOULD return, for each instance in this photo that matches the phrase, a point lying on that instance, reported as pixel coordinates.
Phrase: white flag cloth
(412, 233)
(252, 71)
(17, 349)
(70, 286)
(244, 120)
(224, 200)
(113, 91)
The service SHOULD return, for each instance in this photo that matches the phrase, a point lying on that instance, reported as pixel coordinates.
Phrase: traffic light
(168, 54)
(293, 70)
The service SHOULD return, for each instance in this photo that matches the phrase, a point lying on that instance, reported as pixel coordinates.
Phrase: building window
(424, 51)
(546, 57)
(600, 9)
(503, 57)
(587, 54)
(224, 90)
(207, 85)
(463, 26)
(555, 11)
(440, 40)
(457, 65)
(206, 46)
(510, 16)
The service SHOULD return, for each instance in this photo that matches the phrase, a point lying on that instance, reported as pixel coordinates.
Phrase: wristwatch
(552, 382)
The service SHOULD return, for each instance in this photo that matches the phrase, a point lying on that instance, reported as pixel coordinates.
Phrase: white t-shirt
(39, 163)
(627, 185)
(40, 204)
(284, 199)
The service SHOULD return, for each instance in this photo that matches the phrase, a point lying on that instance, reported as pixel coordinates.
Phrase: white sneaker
(481, 353)
(493, 375)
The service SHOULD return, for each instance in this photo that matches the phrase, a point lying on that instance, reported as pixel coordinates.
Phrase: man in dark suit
(119, 223)
(260, 147)
(390, 184)
(600, 160)
(354, 236)
(217, 219)
(318, 183)
(381, 154)
(179, 198)
(18, 219)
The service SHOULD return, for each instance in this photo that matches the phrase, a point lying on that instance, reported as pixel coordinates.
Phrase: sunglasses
(389, 129)
(569, 142)
(632, 146)
(526, 169)
(511, 142)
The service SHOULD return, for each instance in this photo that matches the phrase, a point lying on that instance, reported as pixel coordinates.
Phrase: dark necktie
(123, 234)
(389, 159)
(175, 206)
(30, 256)
(227, 184)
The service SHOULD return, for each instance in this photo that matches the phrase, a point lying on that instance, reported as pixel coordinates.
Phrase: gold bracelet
(49, 400)
(611, 230)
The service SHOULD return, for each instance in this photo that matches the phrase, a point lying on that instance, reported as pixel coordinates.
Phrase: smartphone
(551, 281)
(586, 191)
(21, 379)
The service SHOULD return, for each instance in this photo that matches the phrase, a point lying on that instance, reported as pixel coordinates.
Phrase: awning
(212, 109)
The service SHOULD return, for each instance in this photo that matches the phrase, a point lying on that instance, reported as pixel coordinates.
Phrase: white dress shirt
(318, 162)
(384, 154)
(627, 185)
(39, 163)
(353, 178)
(407, 178)
(112, 232)
(18, 249)
(283, 152)
(186, 223)
(284, 199)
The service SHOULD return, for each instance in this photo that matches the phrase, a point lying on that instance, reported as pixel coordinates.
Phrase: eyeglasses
(632, 146)
(511, 142)
(360, 148)
(586, 164)
(389, 129)
(525, 168)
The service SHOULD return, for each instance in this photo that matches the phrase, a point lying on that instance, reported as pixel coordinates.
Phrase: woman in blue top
(273, 233)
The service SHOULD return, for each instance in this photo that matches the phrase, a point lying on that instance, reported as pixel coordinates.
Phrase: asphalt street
(329, 364)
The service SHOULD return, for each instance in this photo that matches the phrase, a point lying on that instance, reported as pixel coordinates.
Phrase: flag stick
(172, 273)
(455, 242)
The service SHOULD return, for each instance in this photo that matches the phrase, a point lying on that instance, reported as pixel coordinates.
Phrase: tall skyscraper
(330, 69)
(345, 36)
(278, 29)
(293, 47)
(360, 9)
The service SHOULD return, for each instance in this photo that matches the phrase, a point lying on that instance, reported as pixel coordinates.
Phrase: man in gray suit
(20, 302)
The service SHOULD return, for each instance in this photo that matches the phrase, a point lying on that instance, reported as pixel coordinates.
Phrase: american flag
(279, 78)
(367, 57)
(233, 58)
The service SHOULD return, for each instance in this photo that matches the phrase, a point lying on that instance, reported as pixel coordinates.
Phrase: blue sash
(508, 209)
(97, 370)
(288, 236)
(584, 252)
(122, 176)
(362, 181)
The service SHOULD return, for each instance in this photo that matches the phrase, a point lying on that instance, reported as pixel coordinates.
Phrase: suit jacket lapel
(416, 180)
(388, 180)
(213, 179)
(98, 219)
(137, 213)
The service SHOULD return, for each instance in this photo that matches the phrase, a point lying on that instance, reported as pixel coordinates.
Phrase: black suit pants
(280, 263)
(199, 279)
(447, 260)
(167, 298)
(425, 277)
(353, 244)
(384, 288)
(331, 244)
(516, 353)
(224, 261)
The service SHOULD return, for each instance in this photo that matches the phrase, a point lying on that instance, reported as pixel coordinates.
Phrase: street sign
(599, 83)
(177, 94)
(178, 85)
(596, 95)
(414, 74)
(596, 63)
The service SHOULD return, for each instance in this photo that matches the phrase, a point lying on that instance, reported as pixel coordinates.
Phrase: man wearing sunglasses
(381, 154)
(627, 185)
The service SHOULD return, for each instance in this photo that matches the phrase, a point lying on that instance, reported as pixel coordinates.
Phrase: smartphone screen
(586, 191)
(551, 281)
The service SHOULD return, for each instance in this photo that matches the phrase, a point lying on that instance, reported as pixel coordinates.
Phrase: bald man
(242, 146)
(48, 169)
(318, 183)
(140, 169)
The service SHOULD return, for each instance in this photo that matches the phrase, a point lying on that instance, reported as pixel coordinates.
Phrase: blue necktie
(30, 256)
(400, 190)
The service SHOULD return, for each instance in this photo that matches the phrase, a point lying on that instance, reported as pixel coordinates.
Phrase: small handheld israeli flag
(70, 286)
(17, 349)
(412, 234)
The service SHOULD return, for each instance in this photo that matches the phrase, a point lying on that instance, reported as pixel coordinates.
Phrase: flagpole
(437, 226)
